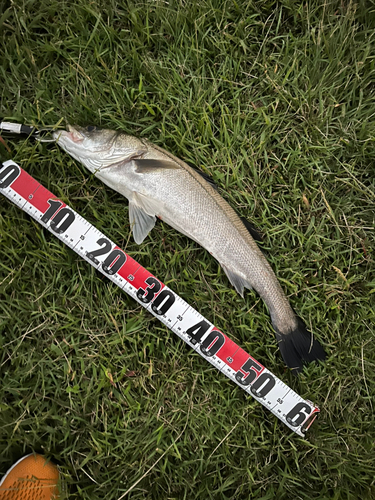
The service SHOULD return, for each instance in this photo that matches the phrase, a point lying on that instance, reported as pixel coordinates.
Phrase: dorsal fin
(205, 176)
(252, 230)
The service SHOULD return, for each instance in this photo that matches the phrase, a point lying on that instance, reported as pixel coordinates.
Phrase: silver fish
(157, 184)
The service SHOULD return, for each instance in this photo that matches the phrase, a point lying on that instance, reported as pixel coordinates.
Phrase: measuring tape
(193, 328)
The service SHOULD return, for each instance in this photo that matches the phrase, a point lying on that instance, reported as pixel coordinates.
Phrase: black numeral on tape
(212, 343)
(263, 385)
(197, 331)
(54, 205)
(163, 302)
(106, 247)
(9, 175)
(147, 295)
(298, 414)
(62, 220)
(115, 260)
(250, 374)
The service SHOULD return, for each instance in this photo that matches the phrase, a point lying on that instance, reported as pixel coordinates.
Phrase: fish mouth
(71, 134)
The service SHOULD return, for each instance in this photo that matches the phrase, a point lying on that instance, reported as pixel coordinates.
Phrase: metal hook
(40, 134)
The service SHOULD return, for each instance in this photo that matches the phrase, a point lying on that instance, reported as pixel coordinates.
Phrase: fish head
(94, 147)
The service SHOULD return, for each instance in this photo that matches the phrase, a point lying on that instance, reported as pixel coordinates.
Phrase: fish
(157, 184)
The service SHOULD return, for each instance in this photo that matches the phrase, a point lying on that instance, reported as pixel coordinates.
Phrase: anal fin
(237, 281)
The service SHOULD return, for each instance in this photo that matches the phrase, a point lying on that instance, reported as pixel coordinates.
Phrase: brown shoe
(31, 478)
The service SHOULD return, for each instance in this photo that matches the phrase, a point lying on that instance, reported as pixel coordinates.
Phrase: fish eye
(91, 128)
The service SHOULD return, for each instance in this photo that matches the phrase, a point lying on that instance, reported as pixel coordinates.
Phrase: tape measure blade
(200, 334)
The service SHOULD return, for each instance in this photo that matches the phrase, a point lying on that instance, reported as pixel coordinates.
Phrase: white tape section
(194, 329)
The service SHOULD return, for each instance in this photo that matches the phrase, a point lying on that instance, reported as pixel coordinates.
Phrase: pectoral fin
(143, 166)
(140, 222)
(142, 212)
(237, 281)
(116, 159)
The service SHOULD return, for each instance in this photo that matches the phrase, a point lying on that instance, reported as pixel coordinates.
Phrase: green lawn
(276, 100)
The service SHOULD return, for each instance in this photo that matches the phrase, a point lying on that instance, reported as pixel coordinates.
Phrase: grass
(276, 101)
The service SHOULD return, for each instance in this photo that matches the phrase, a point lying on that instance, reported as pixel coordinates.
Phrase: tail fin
(298, 347)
